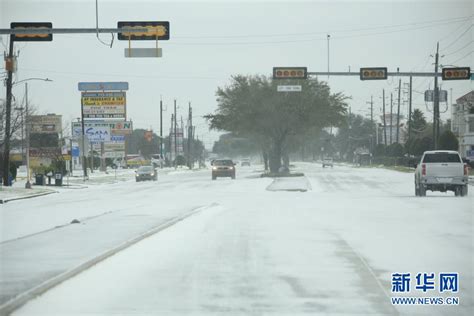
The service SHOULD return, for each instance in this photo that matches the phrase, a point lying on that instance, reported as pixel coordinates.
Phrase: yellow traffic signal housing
(290, 73)
(32, 37)
(156, 31)
(373, 73)
(457, 73)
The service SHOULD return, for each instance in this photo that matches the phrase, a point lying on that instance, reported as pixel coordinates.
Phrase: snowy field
(247, 251)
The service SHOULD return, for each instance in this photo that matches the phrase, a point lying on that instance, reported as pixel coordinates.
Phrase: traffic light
(32, 37)
(290, 73)
(156, 31)
(373, 73)
(458, 73)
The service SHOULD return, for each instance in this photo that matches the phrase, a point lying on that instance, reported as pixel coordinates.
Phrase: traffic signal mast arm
(77, 30)
(395, 74)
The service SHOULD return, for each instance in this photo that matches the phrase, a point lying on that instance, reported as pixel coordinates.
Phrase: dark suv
(223, 168)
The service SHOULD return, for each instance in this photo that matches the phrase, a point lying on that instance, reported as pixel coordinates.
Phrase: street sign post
(289, 88)
(143, 52)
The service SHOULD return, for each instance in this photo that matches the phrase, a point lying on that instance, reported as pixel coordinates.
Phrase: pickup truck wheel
(422, 190)
(464, 190)
(457, 191)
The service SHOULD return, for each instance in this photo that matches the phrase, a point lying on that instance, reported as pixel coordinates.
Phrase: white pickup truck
(441, 170)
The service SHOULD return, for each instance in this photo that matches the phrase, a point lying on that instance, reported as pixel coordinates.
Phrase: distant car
(146, 173)
(328, 162)
(245, 162)
(441, 170)
(223, 168)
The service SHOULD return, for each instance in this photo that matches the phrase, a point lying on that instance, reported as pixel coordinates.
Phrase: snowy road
(248, 251)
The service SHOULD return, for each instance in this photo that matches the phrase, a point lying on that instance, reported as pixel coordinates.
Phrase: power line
(451, 20)
(460, 36)
(454, 62)
(469, 43)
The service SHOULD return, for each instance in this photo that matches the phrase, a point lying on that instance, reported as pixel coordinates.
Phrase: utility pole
(398, 110)
(190, 135)
(384, 119)
(84, 159)
(328, 37)
(436, 102)
(170, 140)
(409, 108)
(391, 116)
(161, 128)
(8, 112)
(371, 120)
(175, 136)
(27, 134)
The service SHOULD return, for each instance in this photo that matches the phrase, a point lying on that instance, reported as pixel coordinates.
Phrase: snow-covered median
(290, 184)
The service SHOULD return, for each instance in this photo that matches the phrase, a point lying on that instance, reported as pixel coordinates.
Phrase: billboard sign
(96, 134)
(116, 127)
(45, 124)
(103, 104)
(103, 86)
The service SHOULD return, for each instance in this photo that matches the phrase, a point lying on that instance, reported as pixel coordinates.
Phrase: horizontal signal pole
(395, 74)
(71, 30)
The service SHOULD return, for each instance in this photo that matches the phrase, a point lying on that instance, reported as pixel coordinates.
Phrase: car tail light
(466, 169)
(423, 170)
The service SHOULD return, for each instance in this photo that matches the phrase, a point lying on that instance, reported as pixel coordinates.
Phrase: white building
(462, 124)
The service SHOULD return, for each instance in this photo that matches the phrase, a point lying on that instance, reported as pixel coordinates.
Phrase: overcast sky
(212, 40)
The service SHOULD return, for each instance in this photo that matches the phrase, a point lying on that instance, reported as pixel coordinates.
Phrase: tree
(418, 121)
(231, 146)
(448, 141)
(251, 107)
(356, 132)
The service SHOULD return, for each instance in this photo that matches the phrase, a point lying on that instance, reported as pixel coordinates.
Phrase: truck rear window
(441, 157)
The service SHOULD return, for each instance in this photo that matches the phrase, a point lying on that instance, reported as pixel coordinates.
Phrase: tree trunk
(265, 159)
(275, 157)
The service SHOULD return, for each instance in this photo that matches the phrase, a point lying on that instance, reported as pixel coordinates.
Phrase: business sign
(114, 154)
(95, 134)
(103, 104)
(117, 128)
(470, 154)
(45, 152)
(178, 139)
(45, 124)
(103, 86)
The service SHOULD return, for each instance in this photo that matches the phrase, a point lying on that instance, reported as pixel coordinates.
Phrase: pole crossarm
(72, 30)
(394, 74)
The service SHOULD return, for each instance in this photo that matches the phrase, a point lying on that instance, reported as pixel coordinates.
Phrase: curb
(10, 306)
(3, 201)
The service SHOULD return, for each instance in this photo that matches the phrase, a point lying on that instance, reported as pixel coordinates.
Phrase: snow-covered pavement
(249, 251)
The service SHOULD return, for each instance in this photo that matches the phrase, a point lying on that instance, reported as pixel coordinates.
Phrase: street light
(28, 183)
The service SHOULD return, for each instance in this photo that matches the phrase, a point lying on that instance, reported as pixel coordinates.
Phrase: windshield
(441, 157)
(145, 169)
(236, 157)
(223, 163)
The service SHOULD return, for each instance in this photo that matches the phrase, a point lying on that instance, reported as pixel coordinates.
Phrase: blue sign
(470, 153)
(75, 151)
(102, 86)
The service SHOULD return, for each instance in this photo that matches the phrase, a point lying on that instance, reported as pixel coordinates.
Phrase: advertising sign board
(103, 104)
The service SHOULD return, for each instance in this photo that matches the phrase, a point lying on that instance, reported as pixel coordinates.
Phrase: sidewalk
(18, 192)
